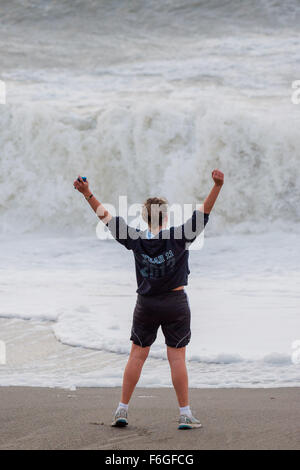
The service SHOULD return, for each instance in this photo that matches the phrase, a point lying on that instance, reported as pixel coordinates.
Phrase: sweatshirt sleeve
(189, 231)
(123, 233)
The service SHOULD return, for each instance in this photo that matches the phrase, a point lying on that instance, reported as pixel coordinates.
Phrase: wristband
(89, 197)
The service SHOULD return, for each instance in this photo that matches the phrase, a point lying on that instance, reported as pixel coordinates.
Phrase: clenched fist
(218, 177)
(81, 186)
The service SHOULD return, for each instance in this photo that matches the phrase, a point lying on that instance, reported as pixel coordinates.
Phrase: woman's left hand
(81, 186)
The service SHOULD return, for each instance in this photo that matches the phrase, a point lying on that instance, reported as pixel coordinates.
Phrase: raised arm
(83, 188)
(209, 202)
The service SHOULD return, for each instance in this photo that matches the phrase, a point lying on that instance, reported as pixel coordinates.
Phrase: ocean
(146, 98)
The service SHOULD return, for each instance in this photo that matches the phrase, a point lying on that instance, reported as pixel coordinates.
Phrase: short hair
(155, 210)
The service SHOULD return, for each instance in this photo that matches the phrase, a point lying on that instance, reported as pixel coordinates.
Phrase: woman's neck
(154, 231)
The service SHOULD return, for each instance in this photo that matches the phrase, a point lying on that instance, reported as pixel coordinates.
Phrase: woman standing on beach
(161, 259)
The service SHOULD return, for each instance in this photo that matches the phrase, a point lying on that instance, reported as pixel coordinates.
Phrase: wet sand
(42, 418)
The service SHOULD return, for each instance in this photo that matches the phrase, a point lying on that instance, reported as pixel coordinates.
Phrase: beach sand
(43, 418)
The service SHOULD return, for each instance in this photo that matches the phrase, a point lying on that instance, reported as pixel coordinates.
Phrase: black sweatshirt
(161, 263)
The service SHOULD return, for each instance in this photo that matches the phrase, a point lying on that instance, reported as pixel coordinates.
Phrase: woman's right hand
(218, 177)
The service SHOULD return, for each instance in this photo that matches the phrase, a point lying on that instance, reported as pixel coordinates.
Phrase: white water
(244, 297)
(43, 148)
(144, 99)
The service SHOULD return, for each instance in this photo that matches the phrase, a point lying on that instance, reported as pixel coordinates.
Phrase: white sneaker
(121, 418)
(188, 422)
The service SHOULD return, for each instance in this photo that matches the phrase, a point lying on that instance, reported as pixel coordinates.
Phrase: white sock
(185, 410)
(122, 405)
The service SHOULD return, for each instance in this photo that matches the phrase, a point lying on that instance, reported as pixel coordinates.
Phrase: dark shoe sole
(189, 426)
(120, 423)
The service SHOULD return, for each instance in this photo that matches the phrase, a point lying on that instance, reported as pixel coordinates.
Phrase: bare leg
(176, 357)
(133, 370)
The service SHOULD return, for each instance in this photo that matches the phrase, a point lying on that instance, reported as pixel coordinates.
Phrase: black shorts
(170, 310)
